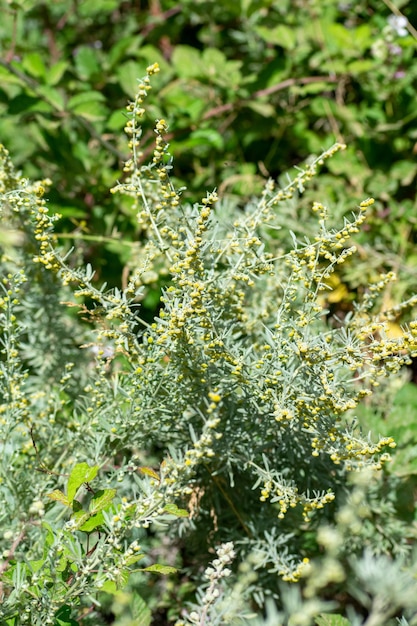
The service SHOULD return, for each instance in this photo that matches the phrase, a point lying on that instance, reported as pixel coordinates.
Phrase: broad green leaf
(134, 559)
(91, 8)
(35, 566)
(123, 48)
(360, 66)
(85, 96)
(331, 619)
(101, 500)
(56, 72)
(52, 96)
(129, 74)
(63, 617)
(140, 611)
(157, 568)
(280, 35)
(187, 61)
(86, 62)
(214, 60)
(172, 509)
(33, 64)
(80, 518)
(116, 121)
(92, 523)
(59, 497)
(8, 77)
(262, 108)
(61, 566)
(81, 473)
(179, 96)
(89, 105)
(25, 104)
(109, 587)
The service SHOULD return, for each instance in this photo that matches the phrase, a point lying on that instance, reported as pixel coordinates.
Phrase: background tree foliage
(250, 88)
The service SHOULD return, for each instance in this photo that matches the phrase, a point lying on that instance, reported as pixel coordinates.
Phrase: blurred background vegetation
(250, 88)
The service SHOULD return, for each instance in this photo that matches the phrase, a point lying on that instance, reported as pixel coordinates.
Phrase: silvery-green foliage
(233, 411)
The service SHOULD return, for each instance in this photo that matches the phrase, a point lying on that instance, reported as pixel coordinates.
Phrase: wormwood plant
(230, 416)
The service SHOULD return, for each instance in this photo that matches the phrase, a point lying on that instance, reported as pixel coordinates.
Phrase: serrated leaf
(81, 473)
(140, 611)
(93, 522)
(172, 509)
(58, 496)
(157, 568)
(102, 499)
(80, 518)
(134, 559)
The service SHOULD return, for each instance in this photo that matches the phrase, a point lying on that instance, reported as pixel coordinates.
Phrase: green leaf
(128, 76)
(101, 500)
(280, 35)
(56, 72)
(81, 473)
(172, 509)
(92, 8)
(157, 568)
(360, 66)
(50, 537)
(35, 566)
(331, 619)
(80, 517)
(59, 497)
(33, 64)
(123, 48)
(63, 617)
(116, 121)
(87, 522)
(187, 61)
(52, 96)
(148, 471)
(140, 611)
(86, 62)
(85, 96)
(109, 587)
(89, 105)
(134, 559)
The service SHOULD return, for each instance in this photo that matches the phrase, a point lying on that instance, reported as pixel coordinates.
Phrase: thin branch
(289, 82)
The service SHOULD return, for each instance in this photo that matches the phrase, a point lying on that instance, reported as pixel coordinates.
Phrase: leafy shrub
(228, 417)
(250, 88)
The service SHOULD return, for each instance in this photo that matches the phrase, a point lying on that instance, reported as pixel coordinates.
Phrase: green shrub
(229, 416)
(250, 88)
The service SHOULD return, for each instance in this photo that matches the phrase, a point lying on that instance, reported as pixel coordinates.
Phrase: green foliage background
(250, 89)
